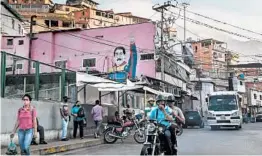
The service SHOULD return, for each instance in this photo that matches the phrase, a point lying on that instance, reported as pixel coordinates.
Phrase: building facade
(211, 57)
(74, 14)
(116, 52)
(11, 21)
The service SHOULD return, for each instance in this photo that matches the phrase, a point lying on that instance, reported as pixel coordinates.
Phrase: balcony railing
(31, 7)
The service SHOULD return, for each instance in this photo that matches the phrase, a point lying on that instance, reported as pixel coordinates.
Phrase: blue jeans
(98, 125)
(64, 128)
(25, 138)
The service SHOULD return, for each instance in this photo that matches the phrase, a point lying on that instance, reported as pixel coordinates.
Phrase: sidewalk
(60, 146)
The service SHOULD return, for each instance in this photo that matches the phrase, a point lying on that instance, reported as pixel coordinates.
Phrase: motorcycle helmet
(170, 98)
(160, 98)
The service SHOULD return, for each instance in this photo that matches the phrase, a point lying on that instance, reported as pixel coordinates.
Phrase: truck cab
(224, 109)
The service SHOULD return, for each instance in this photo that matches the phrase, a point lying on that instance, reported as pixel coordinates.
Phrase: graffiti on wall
(124, 68)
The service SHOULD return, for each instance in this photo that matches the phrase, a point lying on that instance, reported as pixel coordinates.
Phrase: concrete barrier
(48, 115)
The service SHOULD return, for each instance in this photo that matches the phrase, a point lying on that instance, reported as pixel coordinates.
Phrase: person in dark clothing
(41, 131)
(117, 120)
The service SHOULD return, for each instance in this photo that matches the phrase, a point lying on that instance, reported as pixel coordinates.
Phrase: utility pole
(31, 38)
(200, 91)
(161, 9)
(184, 6)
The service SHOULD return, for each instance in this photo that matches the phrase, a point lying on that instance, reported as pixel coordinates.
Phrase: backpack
(81, 112)
(11, 150)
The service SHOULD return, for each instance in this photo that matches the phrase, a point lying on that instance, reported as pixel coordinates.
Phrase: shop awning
(104, 84)
(83, 78)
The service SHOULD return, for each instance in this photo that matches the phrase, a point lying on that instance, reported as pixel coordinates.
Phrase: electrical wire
(216, 28)
(222, 22)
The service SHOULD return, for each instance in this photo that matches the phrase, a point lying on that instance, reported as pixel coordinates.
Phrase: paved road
(195, 141)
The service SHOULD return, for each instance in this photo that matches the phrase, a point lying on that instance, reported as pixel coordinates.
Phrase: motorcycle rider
(177, 114)
(163, 113)
(148, 109)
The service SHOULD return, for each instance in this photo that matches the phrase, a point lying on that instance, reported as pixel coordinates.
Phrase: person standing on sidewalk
(97, 114)
(26, 123)
(79, 115)
(64, 111)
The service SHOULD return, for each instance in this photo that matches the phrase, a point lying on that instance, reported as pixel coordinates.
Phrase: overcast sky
(243, 13)
(247, 14)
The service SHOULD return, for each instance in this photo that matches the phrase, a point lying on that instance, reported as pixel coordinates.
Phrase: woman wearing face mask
(27, 125)
(79, 115)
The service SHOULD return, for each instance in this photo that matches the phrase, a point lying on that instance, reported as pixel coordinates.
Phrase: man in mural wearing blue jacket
(122, 70)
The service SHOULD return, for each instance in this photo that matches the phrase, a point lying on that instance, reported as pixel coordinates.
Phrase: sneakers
(34, 143)
(64, 139)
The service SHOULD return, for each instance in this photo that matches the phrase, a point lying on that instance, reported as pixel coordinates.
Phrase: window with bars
(61, 64)
(89, 62)
(147, 57)
(8, 69)
(19, 66)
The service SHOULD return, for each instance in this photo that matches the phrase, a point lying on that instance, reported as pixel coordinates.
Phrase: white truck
(224, 109)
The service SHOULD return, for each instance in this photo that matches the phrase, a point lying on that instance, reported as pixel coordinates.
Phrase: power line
(96, 39)
(232, 51)
(216, 28)
(225, 23)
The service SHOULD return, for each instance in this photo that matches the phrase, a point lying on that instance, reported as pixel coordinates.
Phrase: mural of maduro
(121, 69)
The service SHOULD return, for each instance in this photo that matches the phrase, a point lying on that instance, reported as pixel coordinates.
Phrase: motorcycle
(155, 140)
(117, 131)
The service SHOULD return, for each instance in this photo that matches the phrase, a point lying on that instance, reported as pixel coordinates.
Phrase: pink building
(93, 48)
(17, 45)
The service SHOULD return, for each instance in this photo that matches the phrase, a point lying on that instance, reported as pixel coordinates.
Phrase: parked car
(259, 117)
(193, 118)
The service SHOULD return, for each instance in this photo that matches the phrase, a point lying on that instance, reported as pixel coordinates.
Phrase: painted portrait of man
(122, 69)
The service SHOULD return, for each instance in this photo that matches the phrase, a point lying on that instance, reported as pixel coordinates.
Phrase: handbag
(11, 150)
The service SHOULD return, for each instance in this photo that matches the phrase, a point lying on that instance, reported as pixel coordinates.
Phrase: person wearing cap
(177, 112)
(163, 115)
(148, 109)
(64, 112)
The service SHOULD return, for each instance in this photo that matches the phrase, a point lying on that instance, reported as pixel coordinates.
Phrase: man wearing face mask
(79, 115)
(162, 114)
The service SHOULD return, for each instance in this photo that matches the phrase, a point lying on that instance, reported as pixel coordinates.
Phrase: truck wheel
(237, 127)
